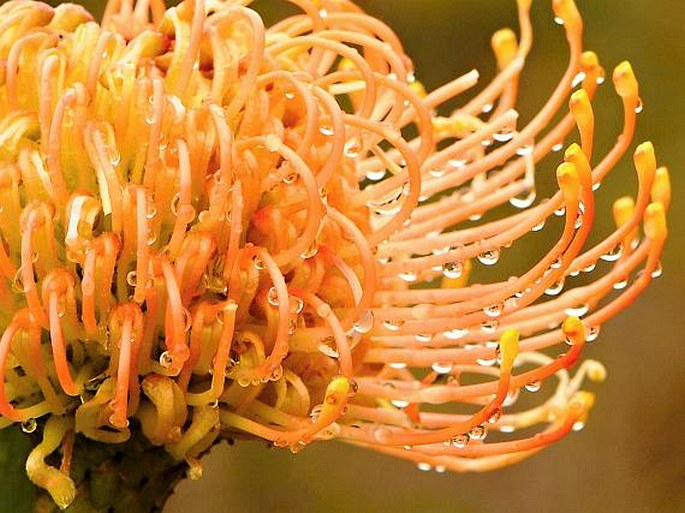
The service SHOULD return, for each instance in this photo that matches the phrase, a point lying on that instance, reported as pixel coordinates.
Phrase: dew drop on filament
(365, 322)
(490, 257)
(453, 270)
(533, 386)
(29, 425)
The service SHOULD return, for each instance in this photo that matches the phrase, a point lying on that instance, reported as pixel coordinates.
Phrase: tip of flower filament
(574, 330)
(661, 190)
(576, 156)
(655, 222)
(568, 14)
(337, 389)
(625, 81)
(623, 210)
(57, 483)
(645, 161)
(419, 89)
(569, 182)
(596, 371)
(581, 110)
(69, 16)
(589, 64)
(508, 348)
(580, 405)
(505, 46)
(460, 281)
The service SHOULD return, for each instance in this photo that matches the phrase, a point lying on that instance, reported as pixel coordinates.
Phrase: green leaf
(17, 494)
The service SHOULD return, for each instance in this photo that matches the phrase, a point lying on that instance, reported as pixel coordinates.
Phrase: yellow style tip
(574, 330)
(508, 348)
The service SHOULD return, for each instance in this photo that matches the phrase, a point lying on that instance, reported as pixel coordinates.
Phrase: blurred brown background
(631, 456)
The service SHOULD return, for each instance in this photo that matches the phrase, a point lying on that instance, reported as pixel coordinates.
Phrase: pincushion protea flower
(211, 229)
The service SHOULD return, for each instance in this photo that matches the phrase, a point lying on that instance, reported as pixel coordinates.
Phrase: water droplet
(29, 425)
(489, 326)
(620, 284)
(326, 130)
(166, 360)
(591, 333)
(442, 367)
(613, 254)
(408, 276)
(561, 211)
(365, 322)
(557, 264)
(276, 373)
(458, 163)
(453, 270)
(487, 108)
(456, 333)
(639, 107)
(558, 147)
(388, 205)
(290, 178)
(296, 305)
(589, 268)
(578, 425)
(538, 226)
(577, 311)
(494, 418)
(504, 135)
(658, 270)
(353, 148)
(558, 20)
(397, 365)
(555, 289)
(272, 296)
(436, 172)
(486, 362)
(579, 221)
(398, 403)
(132, 278)
(289, 95)
(489, 257)
(524, 150)
(511, 398)
(601, 77)
(534, 386)
(478, 432)
(440, 469)
(493, 310)
(114, 156)
(311, 251)
(523, 200)
(393, 325)
(375, 175)
(578, 79)
(424, 467)
(316, 412)
(423, 338)
(327, 350)
(507, 429)
(460, 441)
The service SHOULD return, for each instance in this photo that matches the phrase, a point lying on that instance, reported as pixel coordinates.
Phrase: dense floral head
(212, 227)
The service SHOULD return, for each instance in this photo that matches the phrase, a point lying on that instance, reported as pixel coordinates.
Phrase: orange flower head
(210, 226)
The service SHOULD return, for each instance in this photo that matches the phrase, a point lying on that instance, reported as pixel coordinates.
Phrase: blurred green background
(631, 456)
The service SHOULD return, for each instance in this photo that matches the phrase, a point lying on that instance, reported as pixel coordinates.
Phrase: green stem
(134, 477)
